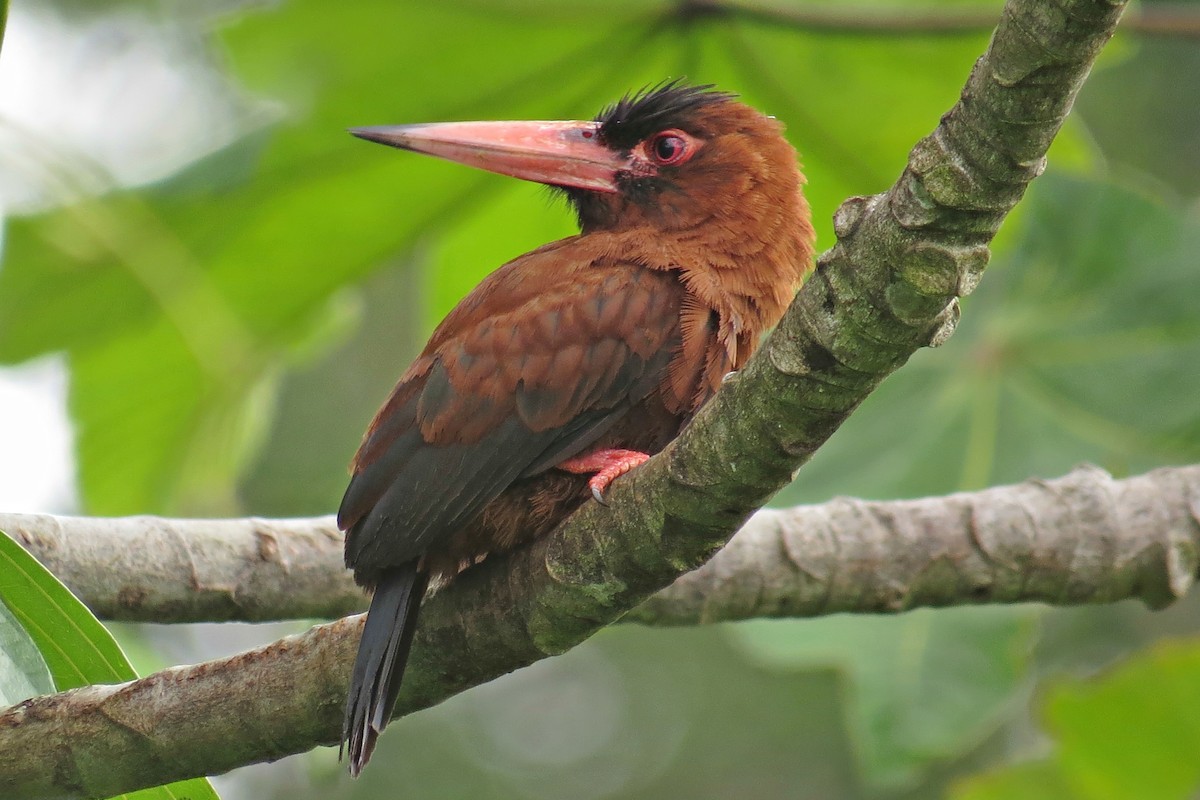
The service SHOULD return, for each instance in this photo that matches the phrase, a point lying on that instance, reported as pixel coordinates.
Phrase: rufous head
(672, 157)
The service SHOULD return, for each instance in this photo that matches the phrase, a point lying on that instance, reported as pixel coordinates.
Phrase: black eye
(669, 148)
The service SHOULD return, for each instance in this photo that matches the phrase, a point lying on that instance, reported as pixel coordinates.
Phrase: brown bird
(580, 358)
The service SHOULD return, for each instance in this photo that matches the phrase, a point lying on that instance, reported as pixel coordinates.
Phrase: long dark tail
(382, 654)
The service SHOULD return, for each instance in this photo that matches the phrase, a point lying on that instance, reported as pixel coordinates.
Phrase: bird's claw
(607, 464)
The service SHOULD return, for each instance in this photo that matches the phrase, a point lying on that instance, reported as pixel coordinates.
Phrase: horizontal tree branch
(888, 287)
(1081, 539)
(151, 569)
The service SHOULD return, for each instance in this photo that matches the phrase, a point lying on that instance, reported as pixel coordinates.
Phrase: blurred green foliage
(1131, 732)
(231, 328)
(925, 686)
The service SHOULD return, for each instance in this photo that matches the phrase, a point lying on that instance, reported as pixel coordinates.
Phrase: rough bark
(150, 569)
(889, 286)
(1181, 20)
(1085, 538)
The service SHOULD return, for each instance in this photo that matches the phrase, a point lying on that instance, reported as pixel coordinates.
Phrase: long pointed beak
(555, 153)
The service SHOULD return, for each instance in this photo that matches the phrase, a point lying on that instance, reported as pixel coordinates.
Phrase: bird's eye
(670, 147)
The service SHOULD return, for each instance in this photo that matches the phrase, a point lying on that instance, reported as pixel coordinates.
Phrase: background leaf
(922, 686)
(1131, 732)
(1082, 356)
(1101, 726)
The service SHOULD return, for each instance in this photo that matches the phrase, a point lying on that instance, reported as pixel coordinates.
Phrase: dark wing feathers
(436, 490)
(574, 437)
(506, 395)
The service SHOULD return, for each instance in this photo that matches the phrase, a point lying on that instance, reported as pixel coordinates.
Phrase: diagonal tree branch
(889, 286)
(1085, 538)
(1181, 20)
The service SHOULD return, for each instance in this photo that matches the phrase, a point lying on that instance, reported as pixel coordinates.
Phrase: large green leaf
(77, 648)
(923, 686)
(206, 286)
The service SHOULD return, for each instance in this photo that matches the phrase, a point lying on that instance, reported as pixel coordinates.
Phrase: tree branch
(889, 286)
(1176, 20)
(150, 569)
(1084, 538)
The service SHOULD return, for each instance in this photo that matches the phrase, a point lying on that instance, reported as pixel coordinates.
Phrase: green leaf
(23, 671)
(925, 685)
(1035, 780)
(77, 648)
(1131, 732)
(198, 419)
(1103, 726)
(1090, 317)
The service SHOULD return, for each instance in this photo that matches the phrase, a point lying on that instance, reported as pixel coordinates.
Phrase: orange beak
(554, 153)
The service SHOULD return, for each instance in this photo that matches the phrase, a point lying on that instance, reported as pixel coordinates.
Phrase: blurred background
(207, 287)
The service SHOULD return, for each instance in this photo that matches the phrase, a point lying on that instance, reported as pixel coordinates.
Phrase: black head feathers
(666, 105)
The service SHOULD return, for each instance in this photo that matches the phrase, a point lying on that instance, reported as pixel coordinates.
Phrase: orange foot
(607, 464)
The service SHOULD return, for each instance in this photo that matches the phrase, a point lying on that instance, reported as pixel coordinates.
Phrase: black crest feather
(654, 108)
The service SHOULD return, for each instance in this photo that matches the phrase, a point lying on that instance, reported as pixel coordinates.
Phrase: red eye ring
(670, 147)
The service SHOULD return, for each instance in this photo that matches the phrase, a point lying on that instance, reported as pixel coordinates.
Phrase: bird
(571, 365)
